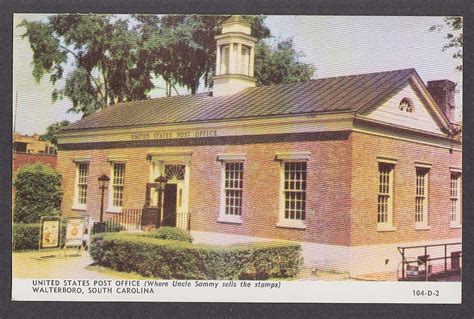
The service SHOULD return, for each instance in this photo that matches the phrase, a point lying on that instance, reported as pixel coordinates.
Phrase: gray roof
(327, 95)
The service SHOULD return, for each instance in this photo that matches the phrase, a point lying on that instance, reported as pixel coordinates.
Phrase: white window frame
(456, 223)
(388, 224)
(289, 158)
(80, 161)
(227, 159)
(111, 207)
(424, 223)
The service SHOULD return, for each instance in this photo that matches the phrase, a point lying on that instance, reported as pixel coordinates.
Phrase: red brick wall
(21, 159)
(365, 150)
(341, 174)
(328, 189)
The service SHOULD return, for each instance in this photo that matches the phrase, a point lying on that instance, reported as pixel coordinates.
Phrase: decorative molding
(455, 169)
(376, 128)
(223, 140)
(171, 156)
(117, 159)
(296, 156)
(230, 157)
(327, 122)
(386, 159)
(82, 159)
(423, 164)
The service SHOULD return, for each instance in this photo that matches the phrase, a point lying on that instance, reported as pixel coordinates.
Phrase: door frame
(158, 160)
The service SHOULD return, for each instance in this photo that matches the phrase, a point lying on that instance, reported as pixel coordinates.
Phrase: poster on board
(50, 233)
(74, 232)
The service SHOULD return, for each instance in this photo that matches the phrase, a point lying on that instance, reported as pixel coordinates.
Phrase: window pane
(83, 172)
(233, 185)
(295, 190)
(384, 197)
(117, 184)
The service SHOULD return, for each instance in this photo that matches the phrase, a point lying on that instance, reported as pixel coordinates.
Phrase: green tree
(280, 64)
(114, 59)
(52, 131)
(187, 49)
(37, 193)
(454, 36)
(107, 61)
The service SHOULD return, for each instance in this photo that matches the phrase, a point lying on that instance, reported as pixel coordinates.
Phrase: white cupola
(235, 57)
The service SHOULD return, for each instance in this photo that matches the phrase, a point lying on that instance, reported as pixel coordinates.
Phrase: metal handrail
(402, 249)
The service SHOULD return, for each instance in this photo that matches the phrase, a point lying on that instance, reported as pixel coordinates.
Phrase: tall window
(118, 179)
(455, 207)
(421, 197)
(233, 185)
(385, 195)
(81, 190)
(294, 191)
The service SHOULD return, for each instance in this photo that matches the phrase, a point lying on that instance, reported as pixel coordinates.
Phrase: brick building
(29, 150)
(351, 167)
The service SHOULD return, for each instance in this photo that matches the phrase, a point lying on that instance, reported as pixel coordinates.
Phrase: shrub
(183, 260)
(169, 233)
(38, 193)
(25, 236)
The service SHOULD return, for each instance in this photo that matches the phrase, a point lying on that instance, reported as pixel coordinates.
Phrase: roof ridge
(327, 78)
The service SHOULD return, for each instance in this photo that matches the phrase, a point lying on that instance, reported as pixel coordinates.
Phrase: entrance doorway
(174, 203)
(169, 205)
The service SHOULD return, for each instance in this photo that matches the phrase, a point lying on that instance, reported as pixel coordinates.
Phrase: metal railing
(180, 220)
(410, 272)
(129, 220)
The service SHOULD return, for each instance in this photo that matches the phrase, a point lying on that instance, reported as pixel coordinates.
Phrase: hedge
(37, 193)
(169, 233)
(169, 259)
(25, 236)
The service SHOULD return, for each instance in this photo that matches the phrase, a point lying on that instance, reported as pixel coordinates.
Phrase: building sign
(74, 232)
(50, 233)
(173, 134)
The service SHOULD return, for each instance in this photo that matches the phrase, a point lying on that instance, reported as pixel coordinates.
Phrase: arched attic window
(406, 105)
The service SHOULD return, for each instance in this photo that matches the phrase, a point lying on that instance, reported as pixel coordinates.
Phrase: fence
(433, 268)
(129, 220)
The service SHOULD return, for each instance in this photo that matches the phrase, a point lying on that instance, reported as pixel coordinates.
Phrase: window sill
(422, 227)
(114, 210)
(385, 228)
(284, 224)
(455, 226)
(79, 207)
(227, 220)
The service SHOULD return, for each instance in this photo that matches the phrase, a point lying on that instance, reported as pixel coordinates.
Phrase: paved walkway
(54, 264)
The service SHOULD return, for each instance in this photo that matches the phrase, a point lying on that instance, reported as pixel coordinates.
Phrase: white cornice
(282, 125)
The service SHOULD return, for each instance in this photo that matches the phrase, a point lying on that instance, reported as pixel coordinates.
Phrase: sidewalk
(54, 264)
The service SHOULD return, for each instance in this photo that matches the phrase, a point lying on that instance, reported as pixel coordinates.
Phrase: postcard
(233, 158)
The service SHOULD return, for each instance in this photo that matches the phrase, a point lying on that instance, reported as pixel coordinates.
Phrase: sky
(335, 45)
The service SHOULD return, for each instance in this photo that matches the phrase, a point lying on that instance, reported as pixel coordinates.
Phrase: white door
(181, 217)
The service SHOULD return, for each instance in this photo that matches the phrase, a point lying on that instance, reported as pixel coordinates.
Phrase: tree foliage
(52, 131)
(37, 193)
(280, 64)
(454, 36)
(106, 59)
